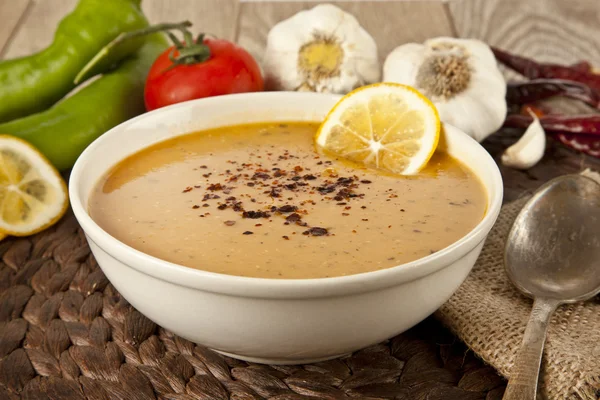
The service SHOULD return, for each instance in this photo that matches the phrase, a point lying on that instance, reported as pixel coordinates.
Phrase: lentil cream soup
(258, 200)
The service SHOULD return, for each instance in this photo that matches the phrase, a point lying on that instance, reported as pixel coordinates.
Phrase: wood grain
(216, 17)
(36, 29)
(549, 30)
(11, 12)
(391, 23)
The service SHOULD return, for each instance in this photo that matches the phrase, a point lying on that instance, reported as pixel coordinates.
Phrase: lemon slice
(33, 196)
(385, 125)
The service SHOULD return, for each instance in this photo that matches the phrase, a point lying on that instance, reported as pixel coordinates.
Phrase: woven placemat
(66, 333)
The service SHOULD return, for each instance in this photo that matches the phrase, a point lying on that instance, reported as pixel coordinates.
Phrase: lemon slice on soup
(33, 195)
(385, 125)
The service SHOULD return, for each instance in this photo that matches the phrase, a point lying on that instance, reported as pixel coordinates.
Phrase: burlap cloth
(490, 316)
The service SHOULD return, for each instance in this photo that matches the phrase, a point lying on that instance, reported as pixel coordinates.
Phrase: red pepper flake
(298, 168)
(347, 208)
(365, 181)
(258, 225)
(187, 189)
(279, 173)
(316, 231)
(343, 194)
(196, 206)
(210, 196)
(255, 214)
(345, 214)
(288, 208)
(286, 237)
(215, 186)
(345, 181)
(365, 219)
(389, 226)
(341, 204)
(229, 223)
(353, 230)
(248, 233)
(260, 175)
(326, 189)
(295, 217)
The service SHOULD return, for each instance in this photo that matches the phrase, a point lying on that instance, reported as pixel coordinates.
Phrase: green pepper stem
(193, 53)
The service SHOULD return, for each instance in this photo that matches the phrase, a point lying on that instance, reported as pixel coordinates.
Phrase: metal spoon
(553, 255)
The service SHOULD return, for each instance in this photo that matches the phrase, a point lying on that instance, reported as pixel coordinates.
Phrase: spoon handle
(522, 384)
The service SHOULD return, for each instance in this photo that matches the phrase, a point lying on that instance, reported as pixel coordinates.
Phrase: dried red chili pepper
(534, 70)
(540, 89)
(580, 124)
(582, 66)
(586, 144)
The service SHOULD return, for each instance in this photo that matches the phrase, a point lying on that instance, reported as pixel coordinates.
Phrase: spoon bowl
(553, 248)
(552, 254)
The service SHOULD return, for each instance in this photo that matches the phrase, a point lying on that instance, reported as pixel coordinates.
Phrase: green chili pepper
(34, 83)
(62, 132)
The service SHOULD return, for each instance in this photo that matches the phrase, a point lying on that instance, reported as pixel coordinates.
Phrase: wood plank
(216, 17)
(37, 27)
(12, 12)
(548, 30)
(391, 23)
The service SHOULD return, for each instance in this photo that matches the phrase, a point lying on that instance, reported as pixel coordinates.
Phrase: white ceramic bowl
(268, 320)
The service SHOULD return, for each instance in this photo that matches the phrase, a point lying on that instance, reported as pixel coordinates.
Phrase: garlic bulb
(460, 76)
(321, 50)
(529, 150)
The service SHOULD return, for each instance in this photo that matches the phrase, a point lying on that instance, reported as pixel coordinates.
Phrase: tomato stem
(190, 51)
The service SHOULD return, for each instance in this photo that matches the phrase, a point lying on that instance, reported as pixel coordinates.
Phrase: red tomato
(229, 69)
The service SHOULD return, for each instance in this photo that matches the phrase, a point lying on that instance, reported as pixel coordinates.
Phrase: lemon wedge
(385, 125)
(33, 195)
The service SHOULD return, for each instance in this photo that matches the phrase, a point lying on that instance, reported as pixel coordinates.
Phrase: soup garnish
(259, 200)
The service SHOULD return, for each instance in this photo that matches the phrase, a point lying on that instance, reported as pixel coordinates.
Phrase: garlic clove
(529, 149)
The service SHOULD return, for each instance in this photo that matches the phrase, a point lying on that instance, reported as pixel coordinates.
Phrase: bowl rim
(271, 287)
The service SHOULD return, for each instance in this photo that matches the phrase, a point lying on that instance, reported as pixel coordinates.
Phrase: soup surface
(258, 200)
